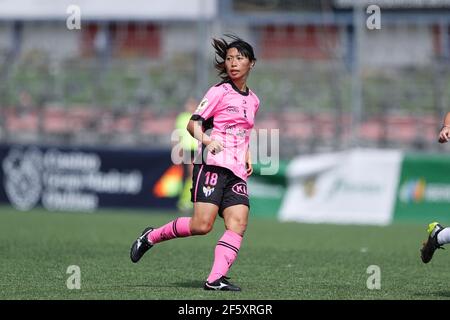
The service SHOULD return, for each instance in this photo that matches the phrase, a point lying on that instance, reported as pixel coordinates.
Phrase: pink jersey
(231, 115)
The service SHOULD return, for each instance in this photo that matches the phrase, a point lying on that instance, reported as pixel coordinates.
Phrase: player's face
(238, 66)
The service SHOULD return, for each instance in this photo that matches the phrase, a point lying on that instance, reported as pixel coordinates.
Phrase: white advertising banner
(353, 187)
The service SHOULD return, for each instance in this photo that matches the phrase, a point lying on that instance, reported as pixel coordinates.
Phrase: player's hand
(444, 135)
(249, 167)
(215, 147)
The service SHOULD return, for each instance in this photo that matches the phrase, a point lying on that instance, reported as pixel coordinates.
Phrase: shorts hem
(203, 201)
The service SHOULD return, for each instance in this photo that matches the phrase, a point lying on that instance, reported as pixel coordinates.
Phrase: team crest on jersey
(202, 105)
(207, 191)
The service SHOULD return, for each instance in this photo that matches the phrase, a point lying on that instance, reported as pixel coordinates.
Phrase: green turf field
(276, 261)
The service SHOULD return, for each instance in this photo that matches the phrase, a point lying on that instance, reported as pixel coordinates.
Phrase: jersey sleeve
(208, 106)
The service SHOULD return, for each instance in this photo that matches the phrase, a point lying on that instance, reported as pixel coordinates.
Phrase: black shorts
(219, 186)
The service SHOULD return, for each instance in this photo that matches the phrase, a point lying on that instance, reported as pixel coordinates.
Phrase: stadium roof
(108, 9)
(395, 4)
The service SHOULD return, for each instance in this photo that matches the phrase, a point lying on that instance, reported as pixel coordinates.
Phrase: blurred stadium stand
(123, 78)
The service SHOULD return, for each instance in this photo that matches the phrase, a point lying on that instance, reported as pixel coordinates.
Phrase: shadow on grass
(185, 284)
(190, 284)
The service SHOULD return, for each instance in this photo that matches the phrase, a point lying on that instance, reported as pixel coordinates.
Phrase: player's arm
(444, 135)
(195, 129)
(248, 163)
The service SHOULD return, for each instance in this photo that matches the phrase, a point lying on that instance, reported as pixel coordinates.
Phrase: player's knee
(242, 228)
(237, 225)
(202, 228)
(205, 229)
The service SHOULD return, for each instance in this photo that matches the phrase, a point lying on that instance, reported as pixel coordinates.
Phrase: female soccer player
(437, 234)
(222, 165)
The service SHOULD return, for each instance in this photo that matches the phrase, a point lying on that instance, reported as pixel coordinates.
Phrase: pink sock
(178, 228)
(226, 252)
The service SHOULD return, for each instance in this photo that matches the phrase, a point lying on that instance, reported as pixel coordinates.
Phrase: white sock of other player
(443, 237)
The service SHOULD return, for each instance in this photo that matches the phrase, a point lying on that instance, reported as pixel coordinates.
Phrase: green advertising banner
(267, 191)
(423, 192)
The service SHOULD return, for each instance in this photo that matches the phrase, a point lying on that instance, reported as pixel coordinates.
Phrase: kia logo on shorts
(240, 188)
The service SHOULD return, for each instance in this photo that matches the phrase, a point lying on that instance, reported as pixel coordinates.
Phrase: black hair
(221, 46)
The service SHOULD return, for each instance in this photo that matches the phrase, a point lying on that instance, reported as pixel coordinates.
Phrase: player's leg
(443, 237)
(437, 236)
(205, 212)
(203, 219)
(227, 248)
(201, 223)
(234, 210)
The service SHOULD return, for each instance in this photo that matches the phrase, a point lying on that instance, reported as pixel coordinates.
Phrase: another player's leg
(227, 248)
(201, 223)
(184, 203)
(437, 236)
